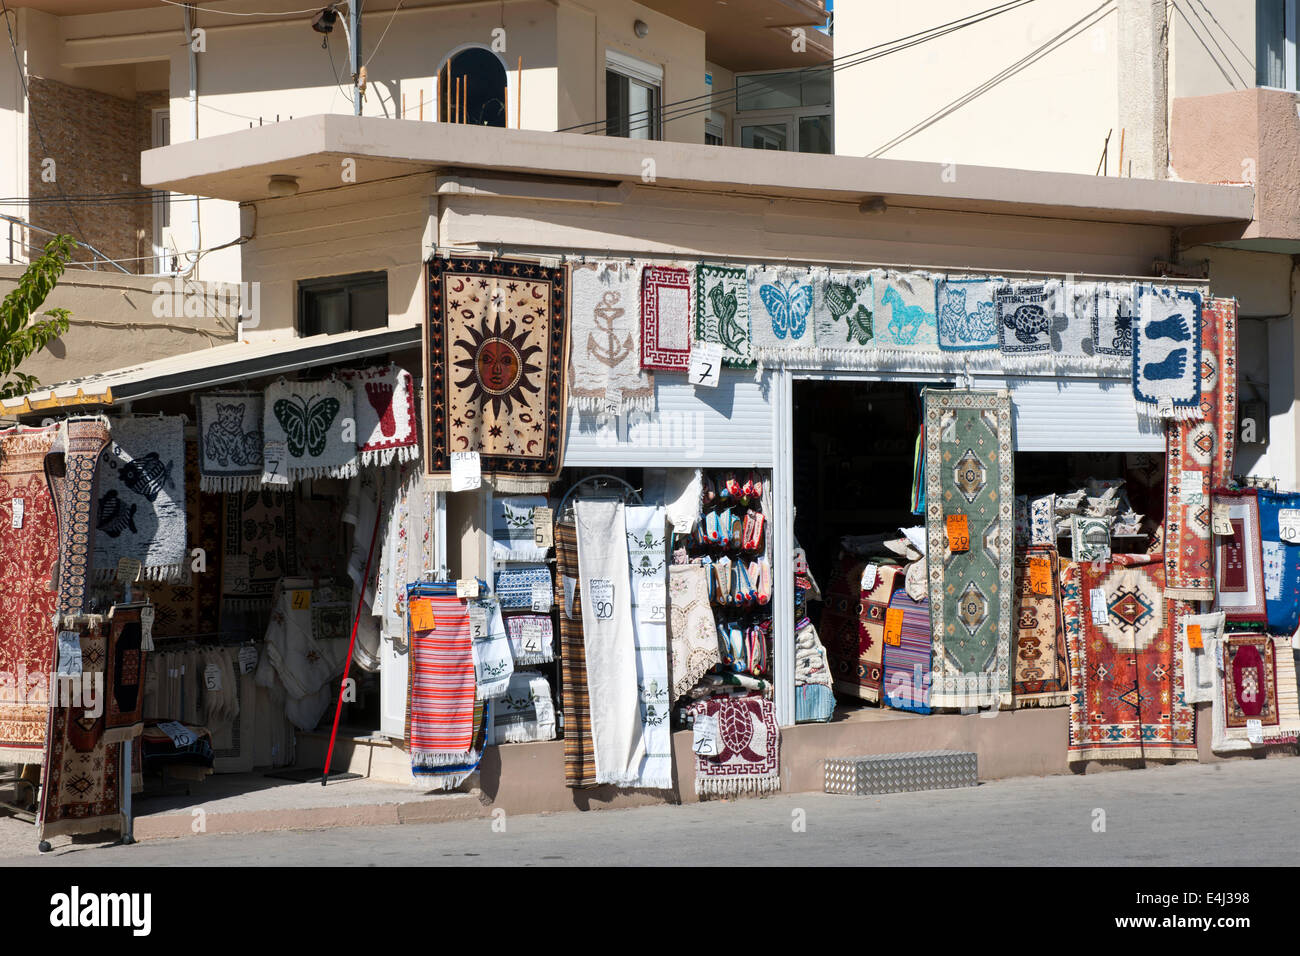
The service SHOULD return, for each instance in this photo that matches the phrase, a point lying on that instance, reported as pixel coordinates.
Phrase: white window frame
(641, 71)
(790, 116)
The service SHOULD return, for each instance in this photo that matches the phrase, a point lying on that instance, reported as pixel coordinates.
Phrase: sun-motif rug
(1127, 673)
(496, 375)
(1238, 563)
(748, 759)
(969, 477)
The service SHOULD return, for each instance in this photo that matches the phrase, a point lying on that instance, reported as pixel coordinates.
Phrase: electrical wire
(385, 33)
(1210, 34)
(232, 13)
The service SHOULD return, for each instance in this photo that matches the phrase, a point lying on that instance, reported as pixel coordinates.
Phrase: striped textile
(440, 711)
(579, 749)
(907, 666)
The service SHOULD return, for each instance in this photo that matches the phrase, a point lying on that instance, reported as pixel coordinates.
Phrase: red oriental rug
(124, 683)
(1126, 666)
(1042, 673)
(70, 473)
(748, 758)
(28, 549)
(1238, 559)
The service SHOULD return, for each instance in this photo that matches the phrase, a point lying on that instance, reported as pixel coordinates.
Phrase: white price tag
(599, 596)
(1097, 601)
(274, 471)
(20, 508)
(651, 599)
(247, 659)
(706, 737)
(613, 401)
(478, 628)
(868, 577)
(212, 677)
(1255, 731)
(706, 364)
(236, 574)
(466, 471)
(531, 633)
(1165, 407)
(1221, 519)
(467, 588)
(543, 527)
(180, 735)
(1288, 525)
(69, 654)
(1190, 486)
(541, 598)
(128, 570)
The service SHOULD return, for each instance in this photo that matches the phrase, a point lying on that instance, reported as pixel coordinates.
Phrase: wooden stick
(465, 93)
(446, 97)
(1122, 131)
(403, 106)
(422, 104)
(519, 94)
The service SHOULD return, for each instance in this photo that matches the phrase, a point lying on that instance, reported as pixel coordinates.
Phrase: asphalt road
(1163, 816)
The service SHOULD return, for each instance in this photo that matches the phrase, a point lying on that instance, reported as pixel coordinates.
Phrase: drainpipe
(188, 13)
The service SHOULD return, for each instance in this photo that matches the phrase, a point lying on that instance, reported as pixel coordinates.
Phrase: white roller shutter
(727, 426)
(1076, 414)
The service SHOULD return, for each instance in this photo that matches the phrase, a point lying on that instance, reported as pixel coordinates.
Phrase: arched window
(472, 88)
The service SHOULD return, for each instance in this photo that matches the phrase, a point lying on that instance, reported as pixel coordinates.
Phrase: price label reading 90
(600, 596)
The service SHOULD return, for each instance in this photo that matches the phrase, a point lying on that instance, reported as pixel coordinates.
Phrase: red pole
(361, 602)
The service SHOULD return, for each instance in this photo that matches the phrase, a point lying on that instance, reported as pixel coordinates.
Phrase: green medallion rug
(968, 475)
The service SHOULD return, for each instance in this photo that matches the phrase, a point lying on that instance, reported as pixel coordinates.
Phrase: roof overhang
(237, 166)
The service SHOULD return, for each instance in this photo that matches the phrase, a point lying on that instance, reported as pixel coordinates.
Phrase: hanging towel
(904, 314)
(780, 302)
(1027, 312)
(648, 559)
(964, 314)
(514, 585)
(1089, 311)
(524, 712)
(532, 638)
(690, 620)
(385, 406)
(230, 441)
(309, 430)
(365, 500)
(722, 312)
(493, 663)
(513, 529)
(666, 318)
(1167, 353)
(606, 357)
(141, 491)
(1112, 320)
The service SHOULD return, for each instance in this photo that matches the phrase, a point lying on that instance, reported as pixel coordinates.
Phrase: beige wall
(1211, 47)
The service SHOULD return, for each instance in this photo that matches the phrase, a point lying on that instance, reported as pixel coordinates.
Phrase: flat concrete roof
(237, 166)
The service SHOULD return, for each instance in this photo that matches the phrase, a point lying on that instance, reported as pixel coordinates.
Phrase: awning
(209, 368)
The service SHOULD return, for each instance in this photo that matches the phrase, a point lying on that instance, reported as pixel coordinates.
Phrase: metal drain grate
(899, 773)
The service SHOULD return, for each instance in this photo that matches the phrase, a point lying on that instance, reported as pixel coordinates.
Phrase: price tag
(212, 677)
(235, 573)
(613, 401)
(146, 627)
(128, 570)
(542, 595)
(1288, 525)
(706, 737)
(531, 632)
(1194, 640)
(958, 533)
(69, 654)
(478, 629)
(1040, 575)
(543, 527)
(274, 471)
(1255, 731)
(422, 615)
(467, 588)
(1165, 407)
(868, 577)
(19, 508)
(247, 659)
(1191, 484)
(706, 364)
(180, 735)
(600, 598)
(1100, 612)
(466, 471)
(651, 601)
(300, 600)
(1221, 519)
(894, 627)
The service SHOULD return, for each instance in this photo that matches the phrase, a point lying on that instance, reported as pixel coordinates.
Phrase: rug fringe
(521, 734)
(229, 484)
(1190, 594)
(733, 787)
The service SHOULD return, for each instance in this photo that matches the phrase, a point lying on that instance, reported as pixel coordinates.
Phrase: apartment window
(715, 130)
(789, 110)
(1275, 44)
(161, 201)
(472, 88)
(343, 303)
(633, 94)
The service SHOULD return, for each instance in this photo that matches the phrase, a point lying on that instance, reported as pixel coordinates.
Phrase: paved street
(1164, 816)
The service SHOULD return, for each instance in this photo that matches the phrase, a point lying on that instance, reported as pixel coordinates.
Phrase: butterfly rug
(747, 755)
(1167, 353)
(722, 312)
(495, 380)
(230, 441)
(781, 303)
(309, 430)
(141, 499)
(385, 404)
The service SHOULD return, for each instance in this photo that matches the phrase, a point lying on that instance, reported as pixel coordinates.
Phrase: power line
(232, 13)
(385, 33)
(1210, 33)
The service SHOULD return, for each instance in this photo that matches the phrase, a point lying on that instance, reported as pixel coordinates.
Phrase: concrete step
(902, 772)
(374, 757)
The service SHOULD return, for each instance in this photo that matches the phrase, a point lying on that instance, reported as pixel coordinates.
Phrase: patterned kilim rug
(907, 664)
(1127, 674)
(1281, 561)
(258, 545)
(192, 605)
(1042, 672)
(124, 680)
(70, 472)
(839, 628)
(496, 369)
(1238, 563)
(579, 751)
(748, 759)
(1252, 688)
(871, 632)
(80, 786)
(968, 470)
(29, 541)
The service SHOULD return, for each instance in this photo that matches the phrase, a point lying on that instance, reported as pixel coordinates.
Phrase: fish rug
(1167, 353)
(309, 430)
(607, 340)
(443, 719)
(722, 312)
(524, 712)
(965, 314)
(666, 318)
(258, 546)
(493, 662)
(616, 729)
(1199, 663)
(969, 473)
(647, 551)
(843, 306)
(691, 625)
(385, 405)
(873, 602)
(1192, 460)
(70, 472)
(1042, 673)
(1238, 559)
(907, 664)
(140, 486)
(1127, 673)
(513, 529)
(904, 314)
(532, 639)
(192, 605)
(780, 303)
(496, 369)
(1223, 314)
(124, 679)
(1026, 314)
(1251, 687)
(230, 440)
(1089, 538)
(841, 601)
(748, 757)
(579, 749)
(514, 585)
(80, 782)
(1281, 560)
(29, 543)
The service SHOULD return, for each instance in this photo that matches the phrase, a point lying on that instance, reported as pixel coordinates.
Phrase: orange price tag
(300, 600)
(422, 616)
(894, 626)
(958, 533)
(1040, 575)
(1194, 637)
